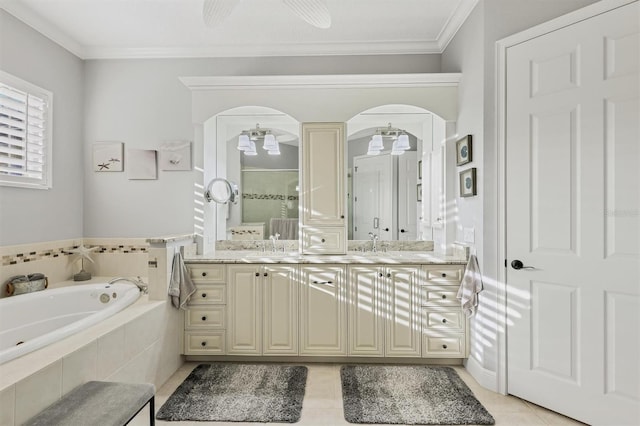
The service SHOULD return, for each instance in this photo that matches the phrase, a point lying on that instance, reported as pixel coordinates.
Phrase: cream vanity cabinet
(323, 217)
(323, 310)
(384, 316)
(444, 326)
(205, 317)
(262, 310)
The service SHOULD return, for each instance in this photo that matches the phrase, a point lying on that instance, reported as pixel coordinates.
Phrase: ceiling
(94, 29)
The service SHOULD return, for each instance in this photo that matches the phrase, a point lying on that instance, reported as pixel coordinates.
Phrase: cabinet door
(280, 325)
(244, 310)
(366, 322)
(323, 310)
(403, 330)
(323, 171)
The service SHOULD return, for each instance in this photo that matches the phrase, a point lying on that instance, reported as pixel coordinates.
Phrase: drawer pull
(204, 274)
(323, 282)
(444, 296)
(444, 320)
(204, 295)
(204, 318)
(444, 275)
(444, 346)
(203, 344)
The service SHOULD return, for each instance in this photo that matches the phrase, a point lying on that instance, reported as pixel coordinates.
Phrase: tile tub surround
(139, 344)
(112, 257)
(352, 245)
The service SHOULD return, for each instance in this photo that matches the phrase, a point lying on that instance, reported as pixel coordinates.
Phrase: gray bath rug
(238, 393)
(411, 395)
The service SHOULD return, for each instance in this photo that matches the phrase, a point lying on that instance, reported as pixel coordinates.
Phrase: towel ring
(221, 191)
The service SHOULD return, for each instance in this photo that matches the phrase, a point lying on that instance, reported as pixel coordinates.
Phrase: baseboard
(486, 378)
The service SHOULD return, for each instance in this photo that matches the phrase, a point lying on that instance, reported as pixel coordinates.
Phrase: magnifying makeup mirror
(221, 191)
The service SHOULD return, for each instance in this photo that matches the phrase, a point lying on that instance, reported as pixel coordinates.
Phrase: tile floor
(322, 403)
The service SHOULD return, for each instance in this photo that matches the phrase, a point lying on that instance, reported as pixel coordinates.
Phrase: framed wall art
(468, 182)
(142, 164)
(175, 155)
(108, 156)
(463, 151)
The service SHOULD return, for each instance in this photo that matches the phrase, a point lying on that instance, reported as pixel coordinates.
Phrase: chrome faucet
(274, 240)
(144, 288)
(374, 242)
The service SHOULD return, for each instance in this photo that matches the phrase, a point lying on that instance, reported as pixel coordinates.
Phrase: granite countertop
(391, 257)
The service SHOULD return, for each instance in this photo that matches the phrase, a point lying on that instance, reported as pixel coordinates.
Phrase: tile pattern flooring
(323, 402)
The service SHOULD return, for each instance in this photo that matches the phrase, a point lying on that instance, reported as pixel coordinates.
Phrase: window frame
(46, 182)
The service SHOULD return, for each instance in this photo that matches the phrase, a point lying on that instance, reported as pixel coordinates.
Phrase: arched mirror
(258, 148)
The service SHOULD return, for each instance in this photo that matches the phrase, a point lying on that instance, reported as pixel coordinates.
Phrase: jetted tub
(31, 321)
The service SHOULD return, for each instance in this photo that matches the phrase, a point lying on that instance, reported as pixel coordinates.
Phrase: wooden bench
(99, 404)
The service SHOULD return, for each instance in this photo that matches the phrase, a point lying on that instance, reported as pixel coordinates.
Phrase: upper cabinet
(323, 225)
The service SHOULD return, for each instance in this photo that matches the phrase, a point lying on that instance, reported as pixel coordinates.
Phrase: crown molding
(44, 27)
(454, 23)
(322, 81)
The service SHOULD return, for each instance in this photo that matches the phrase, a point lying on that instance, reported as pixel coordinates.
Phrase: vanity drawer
(209, 294)
(443, 346)
(324, 240)
(451, 274)
(207, 317)
(449, 320)
(210, 343)
(209, 273)
(439, 295)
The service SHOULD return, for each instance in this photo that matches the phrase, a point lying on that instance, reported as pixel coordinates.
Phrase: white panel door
(573, 155)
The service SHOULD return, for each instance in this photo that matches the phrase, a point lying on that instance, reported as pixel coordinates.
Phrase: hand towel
(470, 286)
(180, 287)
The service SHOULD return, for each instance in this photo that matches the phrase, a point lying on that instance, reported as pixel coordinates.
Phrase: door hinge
(355, 199)
(356, 169)
(355, 228)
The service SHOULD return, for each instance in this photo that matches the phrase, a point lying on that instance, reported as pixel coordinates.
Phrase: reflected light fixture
(400, 140)
(248, 138)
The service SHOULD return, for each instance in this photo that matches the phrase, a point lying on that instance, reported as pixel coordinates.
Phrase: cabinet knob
(402, 231)
(323, 240)
(444, 320)
(204, 295)
(204, 318)
(444, 275)
(204, 274)
(444, 346)
(257, 274)
(444, 296)
(386, 229)
(388, 275)
(381, 275)
(203, 344)
(266, 274)
(341, 216)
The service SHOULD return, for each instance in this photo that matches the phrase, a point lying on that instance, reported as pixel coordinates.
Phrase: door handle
(517, 264)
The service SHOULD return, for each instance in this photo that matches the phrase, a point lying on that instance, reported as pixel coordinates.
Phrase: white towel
(470, 286)
(180, 287)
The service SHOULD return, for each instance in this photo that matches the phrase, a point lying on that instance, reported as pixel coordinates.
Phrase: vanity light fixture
(248, 138)
(400, 140)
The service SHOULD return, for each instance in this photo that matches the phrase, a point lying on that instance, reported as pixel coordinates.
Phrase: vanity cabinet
(262, 310)
(323, 310)
(205, 316)
(323, 220)
(444, 326)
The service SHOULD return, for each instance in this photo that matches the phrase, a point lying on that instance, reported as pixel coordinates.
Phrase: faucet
(274, 240)
(374, 244)
(144, 288)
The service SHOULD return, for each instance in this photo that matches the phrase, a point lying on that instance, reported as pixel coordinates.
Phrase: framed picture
(468, 182)
(419, 192)
(463, 151)
(420, 169)
(107, 156)
(175, 155)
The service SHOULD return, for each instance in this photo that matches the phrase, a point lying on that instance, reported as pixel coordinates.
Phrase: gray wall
(34, 215)
(142, 103)
(472, 52)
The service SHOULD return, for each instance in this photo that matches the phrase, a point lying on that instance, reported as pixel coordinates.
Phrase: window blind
(24, 134)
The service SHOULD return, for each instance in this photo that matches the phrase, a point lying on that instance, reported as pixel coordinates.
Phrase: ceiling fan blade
(214, 12)
(314, 12)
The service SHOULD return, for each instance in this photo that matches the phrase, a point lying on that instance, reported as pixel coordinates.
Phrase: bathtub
(31, 321)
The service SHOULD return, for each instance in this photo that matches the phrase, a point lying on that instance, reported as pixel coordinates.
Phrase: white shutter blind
(24, 134)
